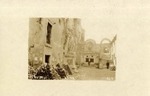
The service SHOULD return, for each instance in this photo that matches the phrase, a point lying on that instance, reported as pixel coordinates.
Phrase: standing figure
(107, 64)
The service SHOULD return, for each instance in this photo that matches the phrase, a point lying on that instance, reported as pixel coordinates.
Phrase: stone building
(54, 40)
(91, 52)
(99, 54)
(107, 52)
(44, 40)
(61, 40)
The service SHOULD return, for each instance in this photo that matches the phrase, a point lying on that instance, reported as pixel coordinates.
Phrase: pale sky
(99, 28)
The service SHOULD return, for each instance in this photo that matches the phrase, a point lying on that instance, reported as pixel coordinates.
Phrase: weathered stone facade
(74, 36)
(54, 40)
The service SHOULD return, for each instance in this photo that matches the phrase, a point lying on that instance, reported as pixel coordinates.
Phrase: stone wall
(35, 41)
(66, 34)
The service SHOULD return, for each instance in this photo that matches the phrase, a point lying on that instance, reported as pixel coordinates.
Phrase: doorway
(47, 58)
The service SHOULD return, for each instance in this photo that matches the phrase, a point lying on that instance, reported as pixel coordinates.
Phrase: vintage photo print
(59, 50)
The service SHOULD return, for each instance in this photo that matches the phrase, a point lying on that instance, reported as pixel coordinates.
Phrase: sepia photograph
(59, 49)
(74, 48)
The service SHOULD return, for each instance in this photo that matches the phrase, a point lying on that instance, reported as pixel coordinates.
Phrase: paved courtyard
(92, 73)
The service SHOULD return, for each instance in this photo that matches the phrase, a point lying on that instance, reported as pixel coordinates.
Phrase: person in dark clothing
(40, 72)
(107, 64)
(45, 72)
(60, 71)
(66, 67)
(48, 72)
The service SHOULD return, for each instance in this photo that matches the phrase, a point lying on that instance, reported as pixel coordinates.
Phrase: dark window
(48, 35)
(87, 59)
(47, 58)
(92, 60)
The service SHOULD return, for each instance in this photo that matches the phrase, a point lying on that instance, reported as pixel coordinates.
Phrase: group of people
(48, 72)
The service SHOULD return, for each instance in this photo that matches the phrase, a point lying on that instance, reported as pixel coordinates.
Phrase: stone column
(74, 62)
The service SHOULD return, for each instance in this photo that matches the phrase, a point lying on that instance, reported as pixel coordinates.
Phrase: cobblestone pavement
(92, 73)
